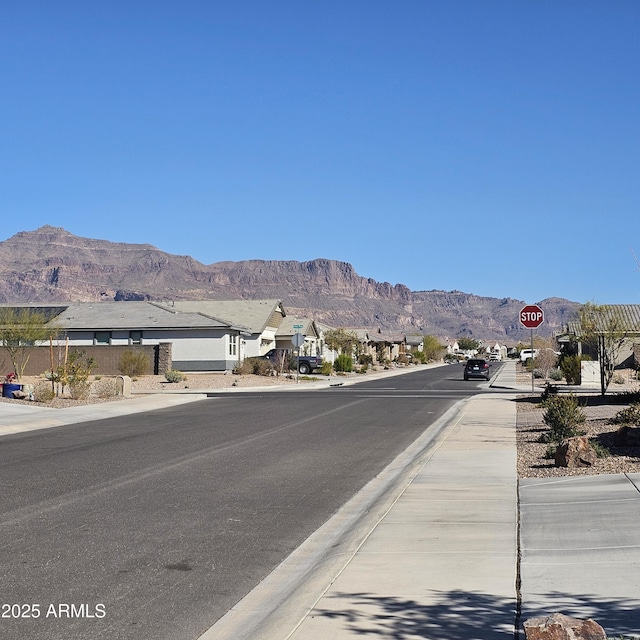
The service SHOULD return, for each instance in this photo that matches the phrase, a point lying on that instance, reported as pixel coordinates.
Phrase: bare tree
(21, 329)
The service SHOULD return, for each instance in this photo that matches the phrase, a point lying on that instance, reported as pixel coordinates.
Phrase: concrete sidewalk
(438, 561)
(442, 562)
(581, 549)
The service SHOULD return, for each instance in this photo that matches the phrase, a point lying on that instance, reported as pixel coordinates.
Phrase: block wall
(107, 357)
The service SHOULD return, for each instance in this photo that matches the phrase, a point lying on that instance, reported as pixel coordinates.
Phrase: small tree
(21, 329)
(545, 361)
(468, 344)
(342, 341)
(75, 373)
(604, 330)
(571, 368)
(432, 348)
(563, 416)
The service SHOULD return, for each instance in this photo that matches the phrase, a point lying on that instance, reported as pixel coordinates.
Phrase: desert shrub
(105, 388)
(600, 449)
(343, 363)
(254, 366)
(133, 363)
(630, 415)
(571, 369)
(555, 375)
(174, 376)
(562, 415)
(618, 379)
(327, 368)
(244, 368)
(365, 358)
(262, 367)
(43, 391)
(79, 389)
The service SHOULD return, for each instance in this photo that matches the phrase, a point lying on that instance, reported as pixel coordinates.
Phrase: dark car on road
(476, 369)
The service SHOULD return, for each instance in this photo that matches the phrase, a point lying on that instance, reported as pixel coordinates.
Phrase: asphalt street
(154, 525)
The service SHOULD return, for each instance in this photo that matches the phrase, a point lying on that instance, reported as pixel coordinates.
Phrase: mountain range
(52, 265)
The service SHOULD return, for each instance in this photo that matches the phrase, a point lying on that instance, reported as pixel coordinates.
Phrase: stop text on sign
(531, 316)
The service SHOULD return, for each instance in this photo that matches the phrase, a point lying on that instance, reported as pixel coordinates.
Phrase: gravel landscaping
(533, 461)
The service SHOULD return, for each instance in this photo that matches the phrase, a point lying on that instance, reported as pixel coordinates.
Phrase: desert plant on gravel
(105, 388)
(630, 415)
(133, 363)
(173, 375)
(562, 415)
(343, 363)
(43, 391)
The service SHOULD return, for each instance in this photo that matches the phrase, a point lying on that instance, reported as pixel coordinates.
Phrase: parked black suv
(477, 369)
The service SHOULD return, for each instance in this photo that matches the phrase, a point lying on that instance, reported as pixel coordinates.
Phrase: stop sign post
(531, 317)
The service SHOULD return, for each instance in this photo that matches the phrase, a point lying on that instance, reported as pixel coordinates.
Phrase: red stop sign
(531, 316)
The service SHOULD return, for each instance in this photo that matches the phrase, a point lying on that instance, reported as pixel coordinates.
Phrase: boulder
(560, 627)
(575, 452)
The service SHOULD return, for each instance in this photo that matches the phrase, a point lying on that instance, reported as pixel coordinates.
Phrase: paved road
(154, 525)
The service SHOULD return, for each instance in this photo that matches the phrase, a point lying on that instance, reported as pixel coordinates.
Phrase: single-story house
(260, 320)
(195, 336)
(626, 321)
(380, 346)
(199, 342)
(414, 342)
(291, 325)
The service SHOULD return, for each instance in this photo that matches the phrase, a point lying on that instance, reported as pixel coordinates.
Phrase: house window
(102, 337)
(135, 337)
(233, 345)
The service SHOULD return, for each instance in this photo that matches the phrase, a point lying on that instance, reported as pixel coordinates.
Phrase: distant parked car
(527, 354)
(477, 369)
(494, 357)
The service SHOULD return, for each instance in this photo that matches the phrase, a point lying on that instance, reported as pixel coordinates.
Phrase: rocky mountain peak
(52, 265)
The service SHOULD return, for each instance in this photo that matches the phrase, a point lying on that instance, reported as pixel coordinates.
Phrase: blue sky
(491, 147)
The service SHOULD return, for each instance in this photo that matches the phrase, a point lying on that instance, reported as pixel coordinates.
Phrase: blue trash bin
(8, 389)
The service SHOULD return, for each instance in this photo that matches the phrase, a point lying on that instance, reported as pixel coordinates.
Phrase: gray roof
(251, 314)
(287, 327)
(107, 316)
(626, 316)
